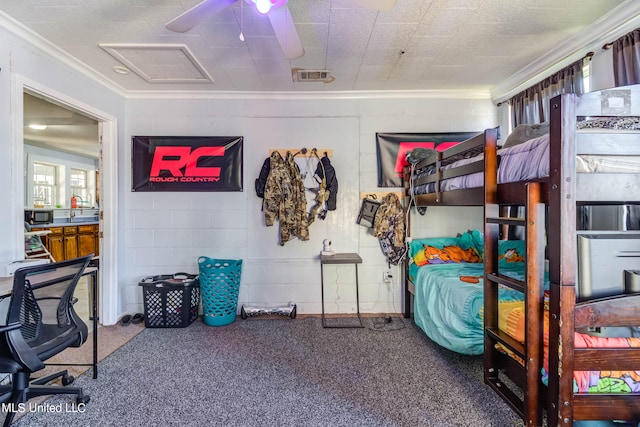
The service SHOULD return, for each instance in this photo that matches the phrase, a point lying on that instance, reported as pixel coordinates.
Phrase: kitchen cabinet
(55, 244)
(72, 241)
(87, 239)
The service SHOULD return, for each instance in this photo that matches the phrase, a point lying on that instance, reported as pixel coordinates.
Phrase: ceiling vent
(300, 75)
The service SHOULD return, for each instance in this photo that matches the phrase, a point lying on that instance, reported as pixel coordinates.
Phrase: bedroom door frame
(107, 125)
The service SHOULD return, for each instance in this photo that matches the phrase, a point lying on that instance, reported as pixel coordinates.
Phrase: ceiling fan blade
(378, 4)
(286, 32)
(197, 14)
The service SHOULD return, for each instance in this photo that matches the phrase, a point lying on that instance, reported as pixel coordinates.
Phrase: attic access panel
(187, 163)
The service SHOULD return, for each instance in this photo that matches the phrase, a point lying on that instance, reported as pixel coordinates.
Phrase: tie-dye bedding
(511, 320)
(450, 310)
(448, 302)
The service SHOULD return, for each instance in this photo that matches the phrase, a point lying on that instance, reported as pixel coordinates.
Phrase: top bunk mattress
(529, 161)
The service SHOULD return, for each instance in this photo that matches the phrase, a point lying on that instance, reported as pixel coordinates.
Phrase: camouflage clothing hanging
(389, 228)
(284, 198)
(297, 211)
(327, 192)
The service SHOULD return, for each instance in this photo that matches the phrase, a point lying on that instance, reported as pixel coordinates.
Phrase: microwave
(38, 216)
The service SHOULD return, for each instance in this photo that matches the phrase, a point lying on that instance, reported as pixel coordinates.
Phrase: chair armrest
(10, 327)
(37, 233)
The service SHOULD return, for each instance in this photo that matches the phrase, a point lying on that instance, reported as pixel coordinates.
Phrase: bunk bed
(550, 206)
(550, 199)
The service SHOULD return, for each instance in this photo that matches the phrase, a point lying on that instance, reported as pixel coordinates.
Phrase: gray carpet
(283, 372)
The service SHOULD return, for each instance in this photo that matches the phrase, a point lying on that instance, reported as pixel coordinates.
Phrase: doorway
(106, 164)
(62, 169)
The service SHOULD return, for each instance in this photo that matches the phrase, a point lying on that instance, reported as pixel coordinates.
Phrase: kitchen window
(78, 184)
(44, 185)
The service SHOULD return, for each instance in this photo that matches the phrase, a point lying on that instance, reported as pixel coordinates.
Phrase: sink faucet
(72, 214)
(80, 204)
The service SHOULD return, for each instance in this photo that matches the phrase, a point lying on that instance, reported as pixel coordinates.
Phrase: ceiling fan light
(263, 6)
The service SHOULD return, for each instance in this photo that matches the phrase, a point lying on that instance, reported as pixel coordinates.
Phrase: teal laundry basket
(219, 288)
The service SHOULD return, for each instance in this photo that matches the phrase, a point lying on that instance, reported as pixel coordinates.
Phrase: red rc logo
(174, 158)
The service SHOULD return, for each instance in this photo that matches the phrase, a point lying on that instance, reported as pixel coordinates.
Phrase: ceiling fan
(277, 12)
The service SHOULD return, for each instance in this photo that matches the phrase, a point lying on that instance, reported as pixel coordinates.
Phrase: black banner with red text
(186, 163)
(392, 149)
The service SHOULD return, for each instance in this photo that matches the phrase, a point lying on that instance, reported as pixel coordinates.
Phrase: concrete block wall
(167, 232)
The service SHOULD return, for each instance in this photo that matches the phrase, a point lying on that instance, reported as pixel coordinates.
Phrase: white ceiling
(418, 45)
(66, 130)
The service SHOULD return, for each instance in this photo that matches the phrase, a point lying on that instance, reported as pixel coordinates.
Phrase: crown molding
(21, 31)
(389, 94)
(619, 21)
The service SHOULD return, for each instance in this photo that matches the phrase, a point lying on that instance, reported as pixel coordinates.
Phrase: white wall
(167, 232)
(25, 64)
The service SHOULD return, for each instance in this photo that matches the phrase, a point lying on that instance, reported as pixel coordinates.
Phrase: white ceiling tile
(381, 57)
(446, 43)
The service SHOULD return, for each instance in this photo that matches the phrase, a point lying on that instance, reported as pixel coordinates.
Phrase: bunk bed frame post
(491, 237)
(562, 258)
(534, 295)
(406, 172)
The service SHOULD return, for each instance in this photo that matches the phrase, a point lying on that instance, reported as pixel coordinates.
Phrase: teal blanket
(449, 310)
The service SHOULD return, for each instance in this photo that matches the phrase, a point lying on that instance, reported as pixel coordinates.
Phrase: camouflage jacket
(284, 199)
(390, 219)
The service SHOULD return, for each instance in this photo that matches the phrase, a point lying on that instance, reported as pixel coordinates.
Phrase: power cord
(387, 324)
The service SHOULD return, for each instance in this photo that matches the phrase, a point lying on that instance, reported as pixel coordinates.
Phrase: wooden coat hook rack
(303, 152)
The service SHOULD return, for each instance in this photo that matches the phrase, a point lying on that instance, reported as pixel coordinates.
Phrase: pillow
(416, 245)
(446, 255)
(470, 241)
(511, 251)
(523, 133)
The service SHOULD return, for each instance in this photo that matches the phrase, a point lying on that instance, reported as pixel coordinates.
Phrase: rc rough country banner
(187, 163)
(392, 149)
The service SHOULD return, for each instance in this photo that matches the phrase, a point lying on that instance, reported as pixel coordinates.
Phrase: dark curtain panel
(626, 59)
(532, 105)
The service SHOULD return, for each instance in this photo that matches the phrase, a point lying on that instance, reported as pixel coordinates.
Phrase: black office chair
(41, 322)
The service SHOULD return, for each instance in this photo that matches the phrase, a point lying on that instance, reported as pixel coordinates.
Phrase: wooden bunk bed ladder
(527, 376)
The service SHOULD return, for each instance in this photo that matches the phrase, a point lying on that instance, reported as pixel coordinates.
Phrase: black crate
(170, 300)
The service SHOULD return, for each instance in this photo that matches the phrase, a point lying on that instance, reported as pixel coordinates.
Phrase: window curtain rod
(588, 55)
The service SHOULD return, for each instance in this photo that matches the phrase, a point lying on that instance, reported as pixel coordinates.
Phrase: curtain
(626, 59)
(532, 105)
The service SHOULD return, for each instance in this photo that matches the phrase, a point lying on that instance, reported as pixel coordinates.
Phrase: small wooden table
(344, 258)
(6, 287)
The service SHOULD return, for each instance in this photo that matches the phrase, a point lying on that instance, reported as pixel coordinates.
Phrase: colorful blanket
(511, 321)
(450, 310)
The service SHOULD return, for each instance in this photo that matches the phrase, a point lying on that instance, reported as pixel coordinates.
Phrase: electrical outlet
(387, 276)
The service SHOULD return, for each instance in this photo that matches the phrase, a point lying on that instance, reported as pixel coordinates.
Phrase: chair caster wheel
(67, 379)
(84, 399)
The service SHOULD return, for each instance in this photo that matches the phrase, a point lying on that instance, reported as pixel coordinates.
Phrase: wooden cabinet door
(55, 244)
(70, 242)
(86, 240)
(96, 234)
(56, 247)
